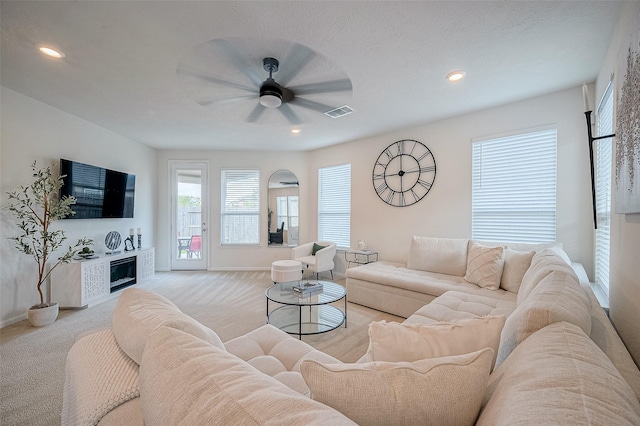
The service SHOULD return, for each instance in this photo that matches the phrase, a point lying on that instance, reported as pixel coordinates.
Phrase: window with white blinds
(514, 188)
(334, 205)
(240, 207)
(603, 159)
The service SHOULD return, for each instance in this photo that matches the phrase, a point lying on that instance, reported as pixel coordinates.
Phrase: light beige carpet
(231, 303)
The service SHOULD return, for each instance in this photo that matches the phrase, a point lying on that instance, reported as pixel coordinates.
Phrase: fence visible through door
(189, 211)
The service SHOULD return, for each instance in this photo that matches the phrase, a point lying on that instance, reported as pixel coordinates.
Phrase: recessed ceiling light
(51, 52)
(456, 75)
(295, 131)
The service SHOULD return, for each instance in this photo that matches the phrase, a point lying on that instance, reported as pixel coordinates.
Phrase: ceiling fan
(269, 93)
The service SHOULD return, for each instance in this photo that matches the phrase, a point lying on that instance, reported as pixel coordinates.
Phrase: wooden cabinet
(81, 283)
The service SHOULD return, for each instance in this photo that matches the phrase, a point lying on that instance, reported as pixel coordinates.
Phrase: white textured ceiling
(121, 60)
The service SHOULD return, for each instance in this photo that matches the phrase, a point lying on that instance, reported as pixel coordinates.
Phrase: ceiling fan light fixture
(270, 100)
(270, 94)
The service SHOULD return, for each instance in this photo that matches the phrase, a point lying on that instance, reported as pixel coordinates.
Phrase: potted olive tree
(35, 208)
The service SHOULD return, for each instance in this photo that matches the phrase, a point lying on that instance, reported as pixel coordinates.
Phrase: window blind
(334, 205)
(604, 158)
(240, 207)
(514, 188)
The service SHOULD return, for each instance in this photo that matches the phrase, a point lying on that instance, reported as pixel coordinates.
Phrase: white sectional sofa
(542, 354)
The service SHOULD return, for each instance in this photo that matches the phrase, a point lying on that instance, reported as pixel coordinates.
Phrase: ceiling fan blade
(322, 87)
(256, 113)
(215, 101)
(201, 75)
(313, 105)
(291, 116)
(298, 57)
(240, 62)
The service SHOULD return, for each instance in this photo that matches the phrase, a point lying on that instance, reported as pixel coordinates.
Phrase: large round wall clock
(404, 173)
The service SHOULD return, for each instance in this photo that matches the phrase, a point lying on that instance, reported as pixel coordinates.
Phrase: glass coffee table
(306, 315)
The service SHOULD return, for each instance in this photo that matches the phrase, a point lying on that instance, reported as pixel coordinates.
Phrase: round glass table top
(283, 293)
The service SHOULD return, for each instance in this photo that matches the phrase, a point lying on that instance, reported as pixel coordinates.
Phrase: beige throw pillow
(186, 381)
(394, 342)
(441, 255)
(439, 391)
(516, 264)
(484, 265)
(139, 313)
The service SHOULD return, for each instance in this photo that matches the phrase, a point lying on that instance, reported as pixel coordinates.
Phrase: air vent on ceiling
(339, 112)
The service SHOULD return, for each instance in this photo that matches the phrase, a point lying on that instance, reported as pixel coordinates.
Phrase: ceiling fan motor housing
(270, 94)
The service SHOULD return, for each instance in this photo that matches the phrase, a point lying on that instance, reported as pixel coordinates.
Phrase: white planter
(43, 316)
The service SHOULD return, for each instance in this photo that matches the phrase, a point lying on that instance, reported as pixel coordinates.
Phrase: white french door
(189, 215)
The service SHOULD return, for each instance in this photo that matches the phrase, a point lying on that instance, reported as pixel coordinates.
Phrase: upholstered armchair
(318, 260)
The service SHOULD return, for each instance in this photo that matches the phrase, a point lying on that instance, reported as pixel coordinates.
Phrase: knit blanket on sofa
(87, 395)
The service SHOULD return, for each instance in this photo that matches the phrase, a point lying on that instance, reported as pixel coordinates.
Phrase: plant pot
(39, 317)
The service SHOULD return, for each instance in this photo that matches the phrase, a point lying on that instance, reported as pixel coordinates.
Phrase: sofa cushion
(437, 391)
(275, 353)
(542, 264)
(393, 342)
(558, 376)
(516, 264)
(558, 297)
(139, 312)
(441, 255)
(185, 380)
(484, 265)
(456, 305)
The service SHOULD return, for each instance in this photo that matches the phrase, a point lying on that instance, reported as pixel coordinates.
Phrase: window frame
(253, 174)
(603, 159)
(507, 204)
(334, 201)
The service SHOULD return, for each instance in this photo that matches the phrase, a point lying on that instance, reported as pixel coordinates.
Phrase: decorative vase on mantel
(40, 317)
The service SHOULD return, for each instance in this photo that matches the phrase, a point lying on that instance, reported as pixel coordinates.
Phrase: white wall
(624, 269)
(31, 130)
(233, 257)
(446, 210)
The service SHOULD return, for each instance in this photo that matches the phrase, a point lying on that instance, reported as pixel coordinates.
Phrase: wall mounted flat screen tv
(100, 193)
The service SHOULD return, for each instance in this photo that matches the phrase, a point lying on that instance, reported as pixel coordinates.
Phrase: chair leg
(331, 274)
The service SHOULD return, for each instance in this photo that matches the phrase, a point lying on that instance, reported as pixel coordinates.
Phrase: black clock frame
(404, 173)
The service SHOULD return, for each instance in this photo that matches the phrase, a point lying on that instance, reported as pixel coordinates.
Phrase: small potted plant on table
(35, 208)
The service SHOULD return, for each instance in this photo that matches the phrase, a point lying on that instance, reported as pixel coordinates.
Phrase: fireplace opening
(123, 273)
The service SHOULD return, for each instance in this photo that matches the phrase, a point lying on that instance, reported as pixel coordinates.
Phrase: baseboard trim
(13, 320)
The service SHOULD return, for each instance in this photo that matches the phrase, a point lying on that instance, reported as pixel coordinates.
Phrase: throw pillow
(438, 391)
(558, 376)
(484, 265)
(317, 248)
(392, 341)
(516, 264)
(558, 297)
(186, 381)
(139, 313)
(440, 255)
